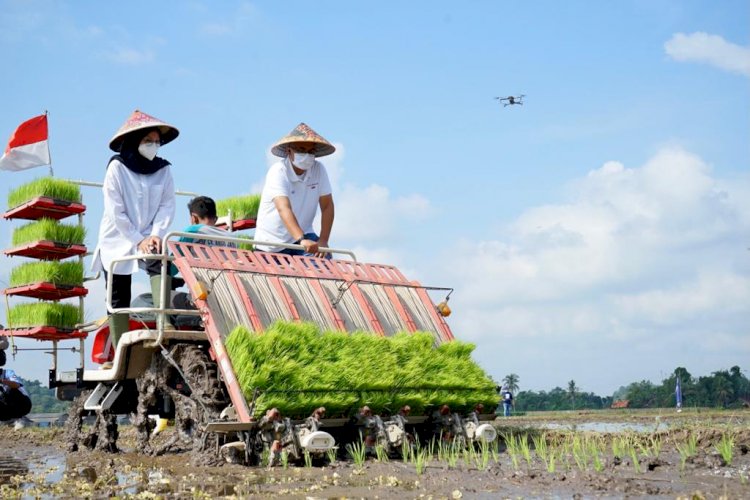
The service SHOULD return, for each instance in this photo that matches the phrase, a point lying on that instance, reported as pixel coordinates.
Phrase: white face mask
(148, 150)
(303, 161)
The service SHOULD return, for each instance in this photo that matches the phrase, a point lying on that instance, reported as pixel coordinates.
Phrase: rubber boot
(155, 295)
(118, 324)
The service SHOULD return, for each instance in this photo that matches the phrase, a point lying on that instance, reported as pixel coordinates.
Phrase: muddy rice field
(614, 454)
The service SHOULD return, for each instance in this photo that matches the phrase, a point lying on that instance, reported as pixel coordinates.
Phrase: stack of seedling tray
(297, 368)
(45, 202)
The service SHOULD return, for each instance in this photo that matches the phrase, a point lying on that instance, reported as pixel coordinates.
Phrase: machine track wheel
(102, 435)
(74, 424)
(197, 403)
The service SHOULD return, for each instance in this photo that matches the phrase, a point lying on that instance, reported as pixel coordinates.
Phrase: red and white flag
(28, 146)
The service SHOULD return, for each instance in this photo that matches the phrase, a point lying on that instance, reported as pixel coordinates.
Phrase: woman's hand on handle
(152, 244)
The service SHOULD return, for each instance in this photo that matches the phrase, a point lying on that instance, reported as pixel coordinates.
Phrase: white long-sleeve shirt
(136, 206)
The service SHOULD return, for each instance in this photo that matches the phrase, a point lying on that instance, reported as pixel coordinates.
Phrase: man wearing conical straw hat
(294, 189)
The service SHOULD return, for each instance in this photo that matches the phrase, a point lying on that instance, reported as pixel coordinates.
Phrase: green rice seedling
(596, 459)
(49, 230)
(550, 464)
(513, 451)
(495, 449)
(687, 449)
(380, 453)
(644, 449)
(298, 368)
(58, 273)
(406, 451)
(655, 445)
(541, 448)
(357, 452)
(525, 448)
(308, 459)
(453, 454)
(430, 448)
(331, 455)
(442, 448)
(265, 458)
(580, 454)
(420, 462)
(49, 187)
(43, 314)
(725, 447)
(619, 447)
(284, 459)
(242, 207)
(634, 458)
(482, 458)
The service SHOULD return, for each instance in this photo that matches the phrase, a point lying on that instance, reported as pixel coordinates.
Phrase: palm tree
(511, 382)
(572, 390)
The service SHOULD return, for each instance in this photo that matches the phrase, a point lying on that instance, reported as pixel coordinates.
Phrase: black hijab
(135, 161)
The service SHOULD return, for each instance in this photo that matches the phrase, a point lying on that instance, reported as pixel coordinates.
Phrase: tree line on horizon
(722, 389)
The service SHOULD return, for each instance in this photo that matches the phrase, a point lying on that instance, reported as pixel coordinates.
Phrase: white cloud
(709, 49)
(372, 213)
(638, 260)
(245, 15)
(130, 56)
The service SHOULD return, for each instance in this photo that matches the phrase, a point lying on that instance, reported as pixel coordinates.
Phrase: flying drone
(511, 100)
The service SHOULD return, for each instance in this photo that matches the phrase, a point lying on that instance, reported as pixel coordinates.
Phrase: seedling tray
(47, 291)
(45, 333)
(43, 206)
(238, 225)
(47, 250)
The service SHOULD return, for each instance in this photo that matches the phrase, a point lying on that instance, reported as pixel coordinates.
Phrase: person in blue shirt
(507, 401)
(203, 221)
(14, 400)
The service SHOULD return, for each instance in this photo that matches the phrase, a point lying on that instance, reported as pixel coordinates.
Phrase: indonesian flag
(28, 146)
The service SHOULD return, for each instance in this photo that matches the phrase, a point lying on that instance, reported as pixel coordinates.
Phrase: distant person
(294, 189)
(507, 401)
(14, 400)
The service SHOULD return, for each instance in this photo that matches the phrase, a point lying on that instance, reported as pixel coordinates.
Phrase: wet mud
(37, 463)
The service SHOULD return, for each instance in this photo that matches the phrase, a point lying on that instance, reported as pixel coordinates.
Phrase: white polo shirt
(304, 192)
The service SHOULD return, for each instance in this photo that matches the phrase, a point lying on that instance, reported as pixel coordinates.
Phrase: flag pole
(51, 171)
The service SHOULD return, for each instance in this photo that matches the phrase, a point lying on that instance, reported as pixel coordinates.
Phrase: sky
(597, 233)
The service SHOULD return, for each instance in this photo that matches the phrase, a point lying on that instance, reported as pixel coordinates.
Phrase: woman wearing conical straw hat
(294, 189)
(139, 205)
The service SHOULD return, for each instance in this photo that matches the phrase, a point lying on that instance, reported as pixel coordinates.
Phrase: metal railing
(162, 311)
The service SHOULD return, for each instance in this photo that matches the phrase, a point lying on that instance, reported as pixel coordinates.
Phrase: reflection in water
(10, 467)
(611, 427)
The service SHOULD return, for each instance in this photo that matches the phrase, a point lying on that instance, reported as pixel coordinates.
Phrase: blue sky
(597, 233)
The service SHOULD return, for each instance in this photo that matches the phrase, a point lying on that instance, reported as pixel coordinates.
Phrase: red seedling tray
(47, 291)
(45, 333)
(47, 250)
(42, 206)
(239, 225)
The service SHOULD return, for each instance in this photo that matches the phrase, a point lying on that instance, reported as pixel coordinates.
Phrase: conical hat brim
(303, 134)
(139, 121)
